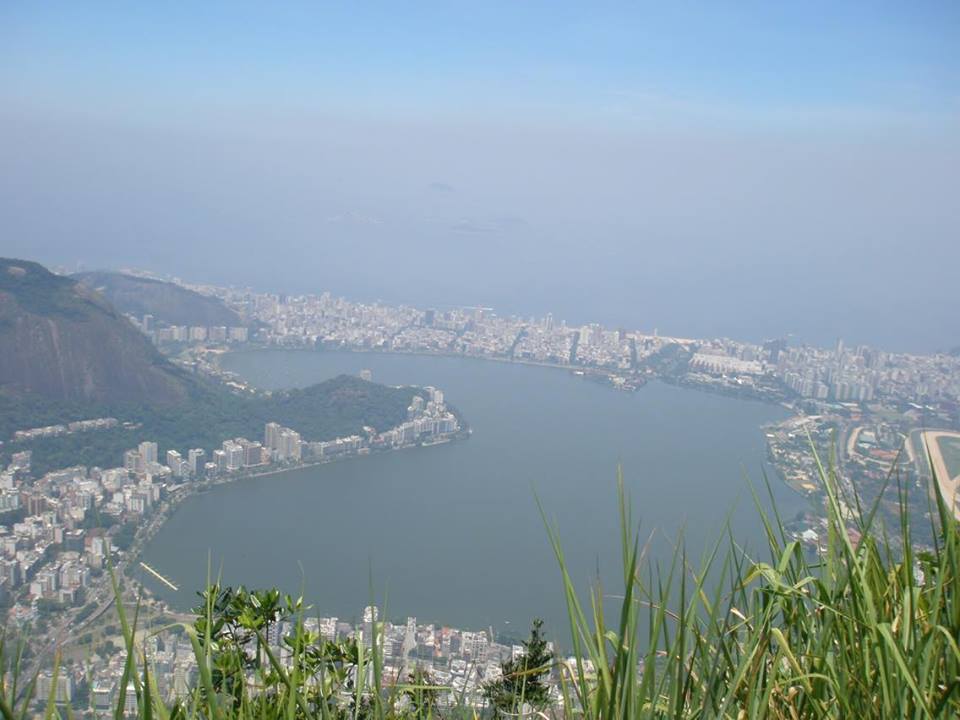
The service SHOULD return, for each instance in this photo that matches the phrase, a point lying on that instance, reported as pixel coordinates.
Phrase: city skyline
(649, 327)
(196, 282)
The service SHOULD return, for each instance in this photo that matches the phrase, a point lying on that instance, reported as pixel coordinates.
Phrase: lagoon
(452, 534)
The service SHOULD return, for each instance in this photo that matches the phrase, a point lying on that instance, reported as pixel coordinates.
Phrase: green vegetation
(334, 408)
(670, 361)
(85, 612)
(49, 607)
(39, 291)
(19, 412)
(524, 678)
(857, 632)
(124, 537)
(66, 354)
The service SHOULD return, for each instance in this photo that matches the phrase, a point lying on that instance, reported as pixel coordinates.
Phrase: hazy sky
(737, 168)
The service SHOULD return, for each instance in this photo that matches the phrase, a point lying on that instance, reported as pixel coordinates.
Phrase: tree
(423, 693)
(107, 649)
(123, 538)
(237, 625)
(524, 678)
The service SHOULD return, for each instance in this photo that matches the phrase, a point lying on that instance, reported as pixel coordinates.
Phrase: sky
(738, 169)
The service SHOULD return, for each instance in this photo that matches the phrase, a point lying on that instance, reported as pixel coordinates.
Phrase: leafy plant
(523, 680)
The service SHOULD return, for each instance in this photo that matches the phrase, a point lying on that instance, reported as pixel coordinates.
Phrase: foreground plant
(854, 633)
(857, 631)
(522, 686)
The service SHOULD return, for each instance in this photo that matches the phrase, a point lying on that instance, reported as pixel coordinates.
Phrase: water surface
(452, 533)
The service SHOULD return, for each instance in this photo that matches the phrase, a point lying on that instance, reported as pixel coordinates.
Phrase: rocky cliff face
(63, 341)
(167, 302)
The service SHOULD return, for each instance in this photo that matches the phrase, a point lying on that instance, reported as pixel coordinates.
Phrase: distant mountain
(167, 302)
(61, 341)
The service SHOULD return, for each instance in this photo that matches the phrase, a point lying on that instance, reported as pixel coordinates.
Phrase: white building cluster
(724, 364)
(837, 374)
(162, 334)
(65, 429)
(52, 552)
(284, 444)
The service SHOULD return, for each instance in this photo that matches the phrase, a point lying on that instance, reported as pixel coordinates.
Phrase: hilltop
(167, 302)
(62, 341)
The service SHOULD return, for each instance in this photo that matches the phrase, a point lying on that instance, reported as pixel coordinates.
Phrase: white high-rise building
(133, 461)
(148, 451)
(271, 435)
(196, 459)
(289, 445)
(175, 463)
(234, 455)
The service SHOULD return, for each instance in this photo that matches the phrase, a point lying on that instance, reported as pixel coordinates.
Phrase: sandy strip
(949, 486)
(852, 441)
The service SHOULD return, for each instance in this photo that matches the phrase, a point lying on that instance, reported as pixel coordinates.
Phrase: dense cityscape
(76, 522)
(479, 361)
(840, 374)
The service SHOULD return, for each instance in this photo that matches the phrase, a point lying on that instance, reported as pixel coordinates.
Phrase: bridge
(158, 576)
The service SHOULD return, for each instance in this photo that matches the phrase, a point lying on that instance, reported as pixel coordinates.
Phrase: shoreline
(948, 486)
(203, 485)
(188, 490)
(586, 370)
(183, 492)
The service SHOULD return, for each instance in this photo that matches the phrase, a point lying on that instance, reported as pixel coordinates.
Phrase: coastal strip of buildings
(772, 369)
(63, 526)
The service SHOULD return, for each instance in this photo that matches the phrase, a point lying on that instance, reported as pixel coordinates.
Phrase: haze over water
(452, 532)
(747, 170)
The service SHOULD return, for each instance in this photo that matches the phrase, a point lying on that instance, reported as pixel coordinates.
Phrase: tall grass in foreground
(857, 632)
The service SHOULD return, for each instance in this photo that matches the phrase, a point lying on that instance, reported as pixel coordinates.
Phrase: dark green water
(451, 533)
